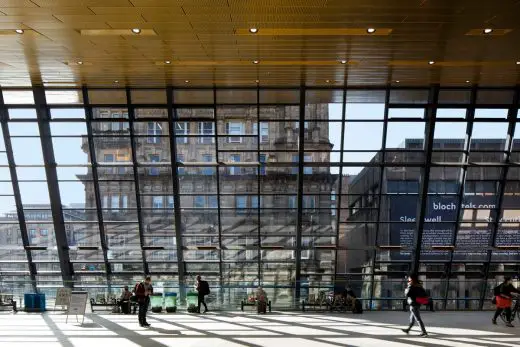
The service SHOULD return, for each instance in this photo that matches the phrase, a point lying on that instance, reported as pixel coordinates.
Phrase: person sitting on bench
(124, 300)
(261, 300)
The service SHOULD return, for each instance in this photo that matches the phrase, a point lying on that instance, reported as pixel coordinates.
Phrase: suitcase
(261, 307)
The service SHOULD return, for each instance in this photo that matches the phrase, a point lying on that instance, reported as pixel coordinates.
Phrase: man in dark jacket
(203, 290)
(413, 292)
(143, 290)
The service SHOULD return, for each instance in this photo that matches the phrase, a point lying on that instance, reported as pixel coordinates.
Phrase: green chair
(156, 301)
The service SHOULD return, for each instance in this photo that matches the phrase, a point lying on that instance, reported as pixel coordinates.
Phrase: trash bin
(34, 302)
(192, 299)
(170, 302)
(156, 301)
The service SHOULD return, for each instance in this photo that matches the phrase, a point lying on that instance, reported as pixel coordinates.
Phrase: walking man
(203, 290)
(143, 290)
(415, 296)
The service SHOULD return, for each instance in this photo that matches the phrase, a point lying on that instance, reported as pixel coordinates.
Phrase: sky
(358, 136)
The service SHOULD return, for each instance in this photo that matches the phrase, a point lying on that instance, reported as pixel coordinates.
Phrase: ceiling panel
(299, 41)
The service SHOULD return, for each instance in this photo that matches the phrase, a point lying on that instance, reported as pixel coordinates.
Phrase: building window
(115, 126)
(108, 158)
(207, 170)
(105, 202)
(309, 202)
(114, 203)
(241, 204)
(333, 210)
(199, 202)
(254, 202)
(295, 159)
(124, 201)
(181, 130)
(235, 170)
(157, 202)
(213, 201)
(32, 233)
(307, 170)
(264, 131)
(297, 125)
(154, 171)
(262, 159)
(291, 202)
(44, 232)
(207, 130)
(235, 129)
(170, 202)
(154, 132)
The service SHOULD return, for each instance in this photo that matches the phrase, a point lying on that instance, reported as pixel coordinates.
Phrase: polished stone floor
(233, 329)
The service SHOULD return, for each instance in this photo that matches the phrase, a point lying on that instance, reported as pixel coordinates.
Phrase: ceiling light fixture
(136, 30)
(116, 81)
(167, 62)
(255, 61)
(431, 62)
(19, 31)
(253, 30)
(397, 81)
(371, 30)
(80, 62)
(328, 81)
(257, 81)
(343, 61)
(518, 63)
(467, 81)
(488, 31)
(187, 81)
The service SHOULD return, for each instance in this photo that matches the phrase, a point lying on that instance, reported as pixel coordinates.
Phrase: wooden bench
(11, 304)
(320, 302)
(253, 303)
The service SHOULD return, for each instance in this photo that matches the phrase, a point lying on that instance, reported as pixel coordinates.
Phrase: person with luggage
(261, 300)
(202, 288)
(415, 297)
(504, 299)
(143, 290)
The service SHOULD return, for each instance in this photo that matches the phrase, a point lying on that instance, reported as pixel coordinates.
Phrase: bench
(110, 306)
(11, 304)
(253, 303)
(320, 302)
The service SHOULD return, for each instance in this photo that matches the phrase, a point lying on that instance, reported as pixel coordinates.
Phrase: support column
(43, 114)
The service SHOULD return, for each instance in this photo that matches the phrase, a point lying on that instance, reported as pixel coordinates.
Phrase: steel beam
(470, 116)
(95, 178)
(429, 114)
(43, 115)
(131, 119)
(219, 218)
(259, 184)
(299, 219)
(16, 191)
(380, 194)
(496, 214)
(179, 227)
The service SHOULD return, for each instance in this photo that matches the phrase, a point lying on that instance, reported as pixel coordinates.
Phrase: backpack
(204, 286)
(422, 297)
(139, 289)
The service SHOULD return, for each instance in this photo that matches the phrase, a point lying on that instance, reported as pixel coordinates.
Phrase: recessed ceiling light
(187, 81)
(167, 62)
(467, 81)
(343, 61)
(19, 31)
(328, 81)
(255, 61)
(257, 81)
(518, 63)
(488, 31)
(136, 30)
(80, 62)
(253, 30)
(397, 81)
(431, 62)
(371, 30)
(116, 81)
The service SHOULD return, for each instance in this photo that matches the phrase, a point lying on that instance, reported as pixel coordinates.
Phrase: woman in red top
(505, 300)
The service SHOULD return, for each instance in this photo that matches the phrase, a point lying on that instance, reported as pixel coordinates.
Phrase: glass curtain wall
(301, 191)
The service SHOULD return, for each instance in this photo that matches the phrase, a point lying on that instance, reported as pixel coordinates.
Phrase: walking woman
(415, 296)
(504, 298)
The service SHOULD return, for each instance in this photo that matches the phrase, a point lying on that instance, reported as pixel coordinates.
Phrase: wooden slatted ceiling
(303, 42)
